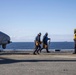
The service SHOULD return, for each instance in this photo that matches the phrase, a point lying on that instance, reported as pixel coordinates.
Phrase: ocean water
(30, 45)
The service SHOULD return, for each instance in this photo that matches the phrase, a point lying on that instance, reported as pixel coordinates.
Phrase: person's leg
(36, 47)
(43, 47)
(39, 48)
(75, 48)
(47, 49)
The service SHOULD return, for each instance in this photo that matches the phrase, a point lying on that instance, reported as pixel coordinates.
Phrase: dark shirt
(37, 38)
(45, 39)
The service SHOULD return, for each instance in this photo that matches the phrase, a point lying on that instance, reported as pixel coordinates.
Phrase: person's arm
(48, 38)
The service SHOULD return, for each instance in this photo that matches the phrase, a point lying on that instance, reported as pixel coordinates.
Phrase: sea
(31, 45)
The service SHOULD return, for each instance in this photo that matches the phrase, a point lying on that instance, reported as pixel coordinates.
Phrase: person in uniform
(45, 42)
(74, 43)
(37, 44)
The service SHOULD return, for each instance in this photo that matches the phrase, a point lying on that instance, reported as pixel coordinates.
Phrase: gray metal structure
(4, 39)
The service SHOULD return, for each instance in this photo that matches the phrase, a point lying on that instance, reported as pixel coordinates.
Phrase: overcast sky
(22, 20)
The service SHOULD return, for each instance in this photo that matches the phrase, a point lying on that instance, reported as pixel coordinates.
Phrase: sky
(22, 20)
